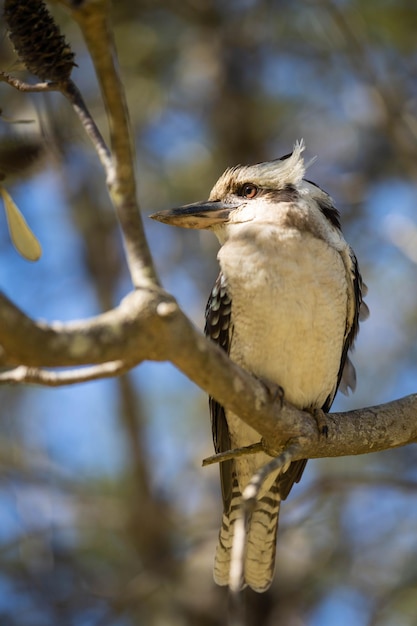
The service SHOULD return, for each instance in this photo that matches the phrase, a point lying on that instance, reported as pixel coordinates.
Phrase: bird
(285, 307)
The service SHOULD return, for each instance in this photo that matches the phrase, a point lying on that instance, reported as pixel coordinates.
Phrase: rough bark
(148, 325)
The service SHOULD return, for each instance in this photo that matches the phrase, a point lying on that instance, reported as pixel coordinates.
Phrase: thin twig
(249, 498)
(233, 454)
(48, 378)
(27, 87)
(236, 615)
(93, 19)
(71, 91)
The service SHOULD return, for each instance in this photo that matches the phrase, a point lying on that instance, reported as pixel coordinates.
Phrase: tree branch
(27, 87)
(93, 19)
(130, 330)
(71, 91)
(39, 376)
(148, 324)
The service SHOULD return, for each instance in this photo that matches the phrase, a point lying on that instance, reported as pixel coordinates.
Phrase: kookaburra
(285, 307)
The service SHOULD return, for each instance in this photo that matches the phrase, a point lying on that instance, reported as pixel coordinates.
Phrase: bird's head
(249, 193)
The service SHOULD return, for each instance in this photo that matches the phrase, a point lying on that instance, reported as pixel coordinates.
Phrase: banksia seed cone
(37, 40)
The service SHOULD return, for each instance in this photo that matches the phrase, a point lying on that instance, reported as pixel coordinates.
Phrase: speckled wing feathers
(218, 328)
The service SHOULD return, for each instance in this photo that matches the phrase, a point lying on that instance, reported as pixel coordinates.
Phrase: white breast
(289, 305)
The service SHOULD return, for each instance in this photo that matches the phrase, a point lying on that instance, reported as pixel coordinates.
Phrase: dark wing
(218, 328)
(347, 376)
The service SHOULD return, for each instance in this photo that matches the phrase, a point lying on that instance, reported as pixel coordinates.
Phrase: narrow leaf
(23, 238)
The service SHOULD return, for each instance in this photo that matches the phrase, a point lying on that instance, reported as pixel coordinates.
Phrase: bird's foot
(275, 392)
(321, 421)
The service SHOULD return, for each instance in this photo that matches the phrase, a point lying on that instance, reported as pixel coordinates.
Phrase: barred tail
(261, 541)
(224, 545)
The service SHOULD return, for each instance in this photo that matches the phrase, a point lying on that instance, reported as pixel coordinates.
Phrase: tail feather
(261, 541)
(224, 545)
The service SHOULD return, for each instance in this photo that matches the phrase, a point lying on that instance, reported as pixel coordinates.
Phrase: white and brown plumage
(286, 308)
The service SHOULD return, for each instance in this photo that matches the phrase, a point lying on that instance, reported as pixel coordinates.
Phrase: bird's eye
(249, 190)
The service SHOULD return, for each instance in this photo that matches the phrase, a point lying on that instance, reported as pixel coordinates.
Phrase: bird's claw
(321, 421)
(275, 392)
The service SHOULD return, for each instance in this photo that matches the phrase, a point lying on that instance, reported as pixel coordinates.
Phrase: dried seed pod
(37, 40)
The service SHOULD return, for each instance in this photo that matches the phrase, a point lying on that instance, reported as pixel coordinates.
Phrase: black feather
(218, 328)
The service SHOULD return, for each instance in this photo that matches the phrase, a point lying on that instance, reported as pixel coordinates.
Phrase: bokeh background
(106, 516)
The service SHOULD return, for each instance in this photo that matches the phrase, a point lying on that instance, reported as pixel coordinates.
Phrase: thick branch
(127, 333)
(93, 19)
(149, 325)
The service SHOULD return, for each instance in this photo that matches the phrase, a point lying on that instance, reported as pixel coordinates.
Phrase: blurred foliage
(106, 517)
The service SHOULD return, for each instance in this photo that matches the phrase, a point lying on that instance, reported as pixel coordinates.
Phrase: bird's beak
(196, 215)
